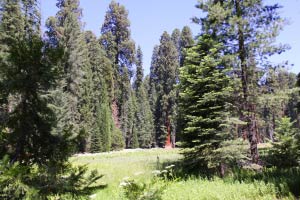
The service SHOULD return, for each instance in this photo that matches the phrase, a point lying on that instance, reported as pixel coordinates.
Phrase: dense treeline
(70, 91)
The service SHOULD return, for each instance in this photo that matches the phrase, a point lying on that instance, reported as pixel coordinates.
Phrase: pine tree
(164, 78)
(73, 97)
(139, 69)
(143, 116)
(186, 41)
(11, 28)
(102, 135)
(152, 95)
(128, 108)
(204, 93)
(284, 151)
(100, 117)
(100, 64)
(182, 40)
(29, 70)
(176, 37)
(247, 29)
(120, 49)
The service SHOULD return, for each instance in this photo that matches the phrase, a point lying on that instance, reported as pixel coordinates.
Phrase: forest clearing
(168, 100)
(141, 165)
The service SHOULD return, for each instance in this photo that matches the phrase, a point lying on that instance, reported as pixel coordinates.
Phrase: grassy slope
(138, 164)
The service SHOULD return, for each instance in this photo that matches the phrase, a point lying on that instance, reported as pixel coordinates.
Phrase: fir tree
(100, 117)
(102, 135)
(284, 151)
(29, 69)
(186, 41)
(127, 109)
(152, 95)
(73, 97)
(176, 37)
(164, 77)
(139, 69)
(204, 92)
(143, 116)
(247, 29)
(11, 27)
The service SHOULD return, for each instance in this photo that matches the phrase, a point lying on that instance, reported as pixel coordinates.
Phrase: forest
(214, 118)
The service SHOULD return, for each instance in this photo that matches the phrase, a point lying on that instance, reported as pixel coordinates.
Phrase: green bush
(152, 190)
(19, 182)
(142, 191)
(13, 179)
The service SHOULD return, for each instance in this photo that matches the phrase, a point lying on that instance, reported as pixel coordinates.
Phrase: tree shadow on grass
(185, 169)
(286, 181)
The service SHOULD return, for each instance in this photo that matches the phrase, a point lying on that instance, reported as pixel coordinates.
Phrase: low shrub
(152, 190)
(19, 182)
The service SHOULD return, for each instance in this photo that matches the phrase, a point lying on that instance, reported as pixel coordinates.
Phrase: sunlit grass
(138, 165)
(115, 166)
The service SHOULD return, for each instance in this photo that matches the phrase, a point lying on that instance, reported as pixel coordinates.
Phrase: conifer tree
(152, 95)
(186, 41)
(164, 77)
(143, 116)
(29, 69)
(101, 138)
(176, 37)
(59, 29)
(204, 93)
(247, 29)
(127, 109)
(99, 112)
(120, 49)
(284, 152)
(12, 28)
(139, 69)
(182, 40)
(73, 97)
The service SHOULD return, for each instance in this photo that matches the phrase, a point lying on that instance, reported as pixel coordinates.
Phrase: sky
(150, 18)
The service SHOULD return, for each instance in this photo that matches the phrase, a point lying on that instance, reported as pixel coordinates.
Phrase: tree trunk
(168, 138)
(247, 107)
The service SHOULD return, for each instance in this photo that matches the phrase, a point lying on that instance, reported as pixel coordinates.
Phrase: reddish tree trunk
(168, 144)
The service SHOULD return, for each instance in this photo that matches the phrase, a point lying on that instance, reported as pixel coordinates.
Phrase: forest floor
(139, 164)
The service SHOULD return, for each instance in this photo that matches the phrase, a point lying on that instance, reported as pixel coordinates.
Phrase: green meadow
(139, 165)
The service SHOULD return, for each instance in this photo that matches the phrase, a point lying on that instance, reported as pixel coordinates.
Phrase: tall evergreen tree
(101, 137)
(11, 29)
(29, 70)
(100, 117)
(120, 49)
(204, 93)
(143, 116)
(73, 98)
(186, 41)
(247, 29)
(127, 109)
(139, 69)
(176, 37)
(164, 77)
(152, 94)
